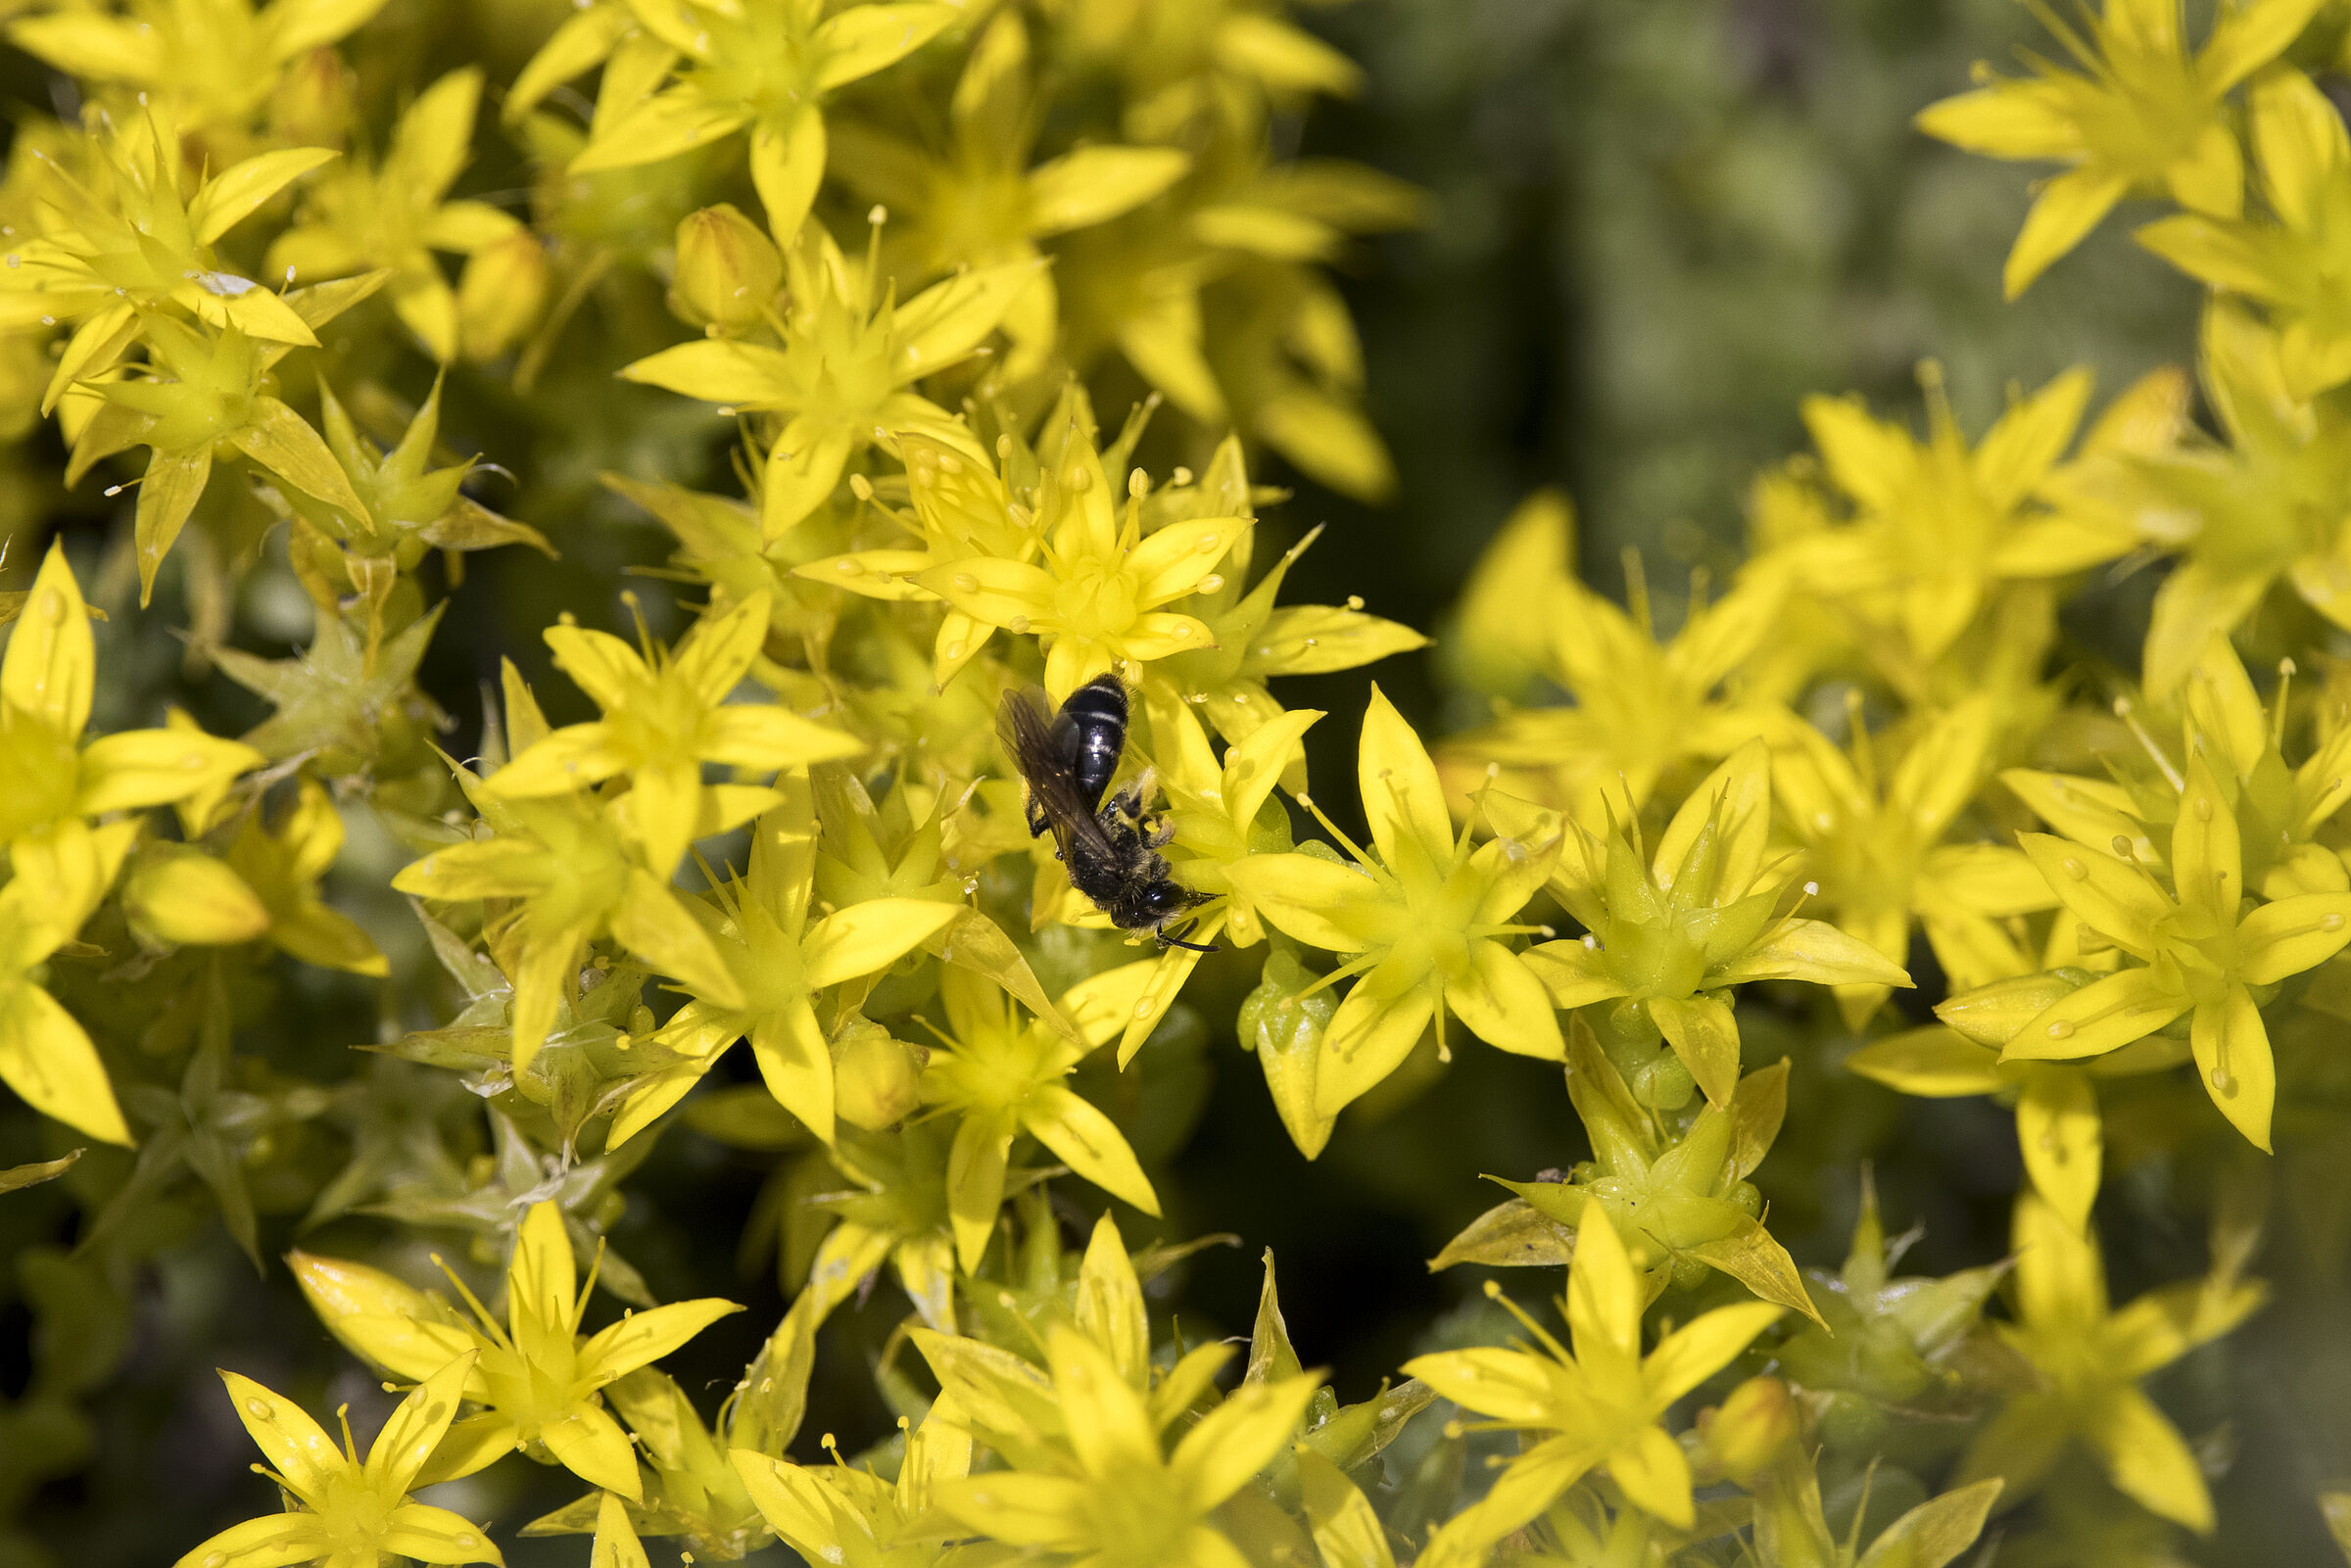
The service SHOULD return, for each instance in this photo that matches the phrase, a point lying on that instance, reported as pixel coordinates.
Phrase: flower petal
(1403, 799)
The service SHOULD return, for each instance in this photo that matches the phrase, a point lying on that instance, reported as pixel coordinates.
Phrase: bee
(1066, 763)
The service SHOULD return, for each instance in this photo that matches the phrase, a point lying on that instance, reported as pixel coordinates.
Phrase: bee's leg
(1128, 802)
(1160, 836)
(1177, 940)
(1037, 822)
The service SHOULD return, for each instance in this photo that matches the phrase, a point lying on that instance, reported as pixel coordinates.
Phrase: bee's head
(1163, 899)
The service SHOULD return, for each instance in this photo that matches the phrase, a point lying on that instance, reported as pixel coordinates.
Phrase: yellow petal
(1370, 1034)
(273, 1541)
(2233, 1059)
(2098, 1018)
(1504, 1003)
(591, 1446)
(1604, 1295)
(2011, 119)
(426, 1534)
(134, 768)
(647, 1334)
(2058, 1128)
(1706, 1037)
(51, 665)
(51, 1064)
(942, 325)
(295, 1446)
(2207, 857)
(1703, 1347)
(861, 938)
(1094, 185)
(1089, 1143)
(2115, 899)
(240, 190)
(1933, 1063)
(1402, 796)
(1172, 562)
(416, 1428)
(861, 41)
(1654, 1477)
(382, 1319)
(788, 163)
(1110, 1303)
(2068, 208)
(282, 441)
(2147, 1459)
(796, 1066)
(1236, 1440)
(976, 1182)
(2292, 935)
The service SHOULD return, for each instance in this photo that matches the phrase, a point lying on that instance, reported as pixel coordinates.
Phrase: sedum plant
(945, 349)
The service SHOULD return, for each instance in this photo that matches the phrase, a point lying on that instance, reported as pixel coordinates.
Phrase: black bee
(1066, 763)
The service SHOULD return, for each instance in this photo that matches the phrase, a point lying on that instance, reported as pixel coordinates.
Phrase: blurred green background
(1655, 225)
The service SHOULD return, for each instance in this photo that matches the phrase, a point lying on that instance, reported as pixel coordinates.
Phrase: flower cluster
(912, 253)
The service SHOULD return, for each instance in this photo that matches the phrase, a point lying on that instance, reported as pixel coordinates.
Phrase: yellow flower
(977, 202)
(2201, 950)
(537, 1374)
(1939, 527)
(1098, 600)
(395, 217)
(2285, 261)
(2142, 116)
(2088, 1359)
(50, 781)
(1003, 1076)
(844, 367)
(779, 962)
(282, 866)
(832, 1513)
(214, 66)
(1875, 839)
(353, 1512)
(1685, 1203)
(1426, 921)
(1120, 1499)
(1599, 1406)
(45, 1055)
(1256, 639)
(1671, 936)
(138, 246)
(2265, 503)
(764, 68)
(1642, 709)
(567, 864)
(203, 391)
(665, 714)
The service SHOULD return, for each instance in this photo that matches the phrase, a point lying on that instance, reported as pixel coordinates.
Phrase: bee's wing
(1026, 737)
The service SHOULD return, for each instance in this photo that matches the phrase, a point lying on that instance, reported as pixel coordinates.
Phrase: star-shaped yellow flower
(536, 1373)
(342, 1510)
(1425, 920)
(2141, 116)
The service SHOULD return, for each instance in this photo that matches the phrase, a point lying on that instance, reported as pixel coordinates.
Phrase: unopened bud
(1750, 1427)
(175, 896)
(875, 1078)
(501, 294)
(727, 271)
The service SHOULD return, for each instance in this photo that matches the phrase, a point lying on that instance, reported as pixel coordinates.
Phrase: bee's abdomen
(1091, 731)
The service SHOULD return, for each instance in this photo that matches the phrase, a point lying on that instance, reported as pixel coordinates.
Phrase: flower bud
(177, 897)
(727, 271)
(1750, 1427)
(500, 295)
(875, 1078)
